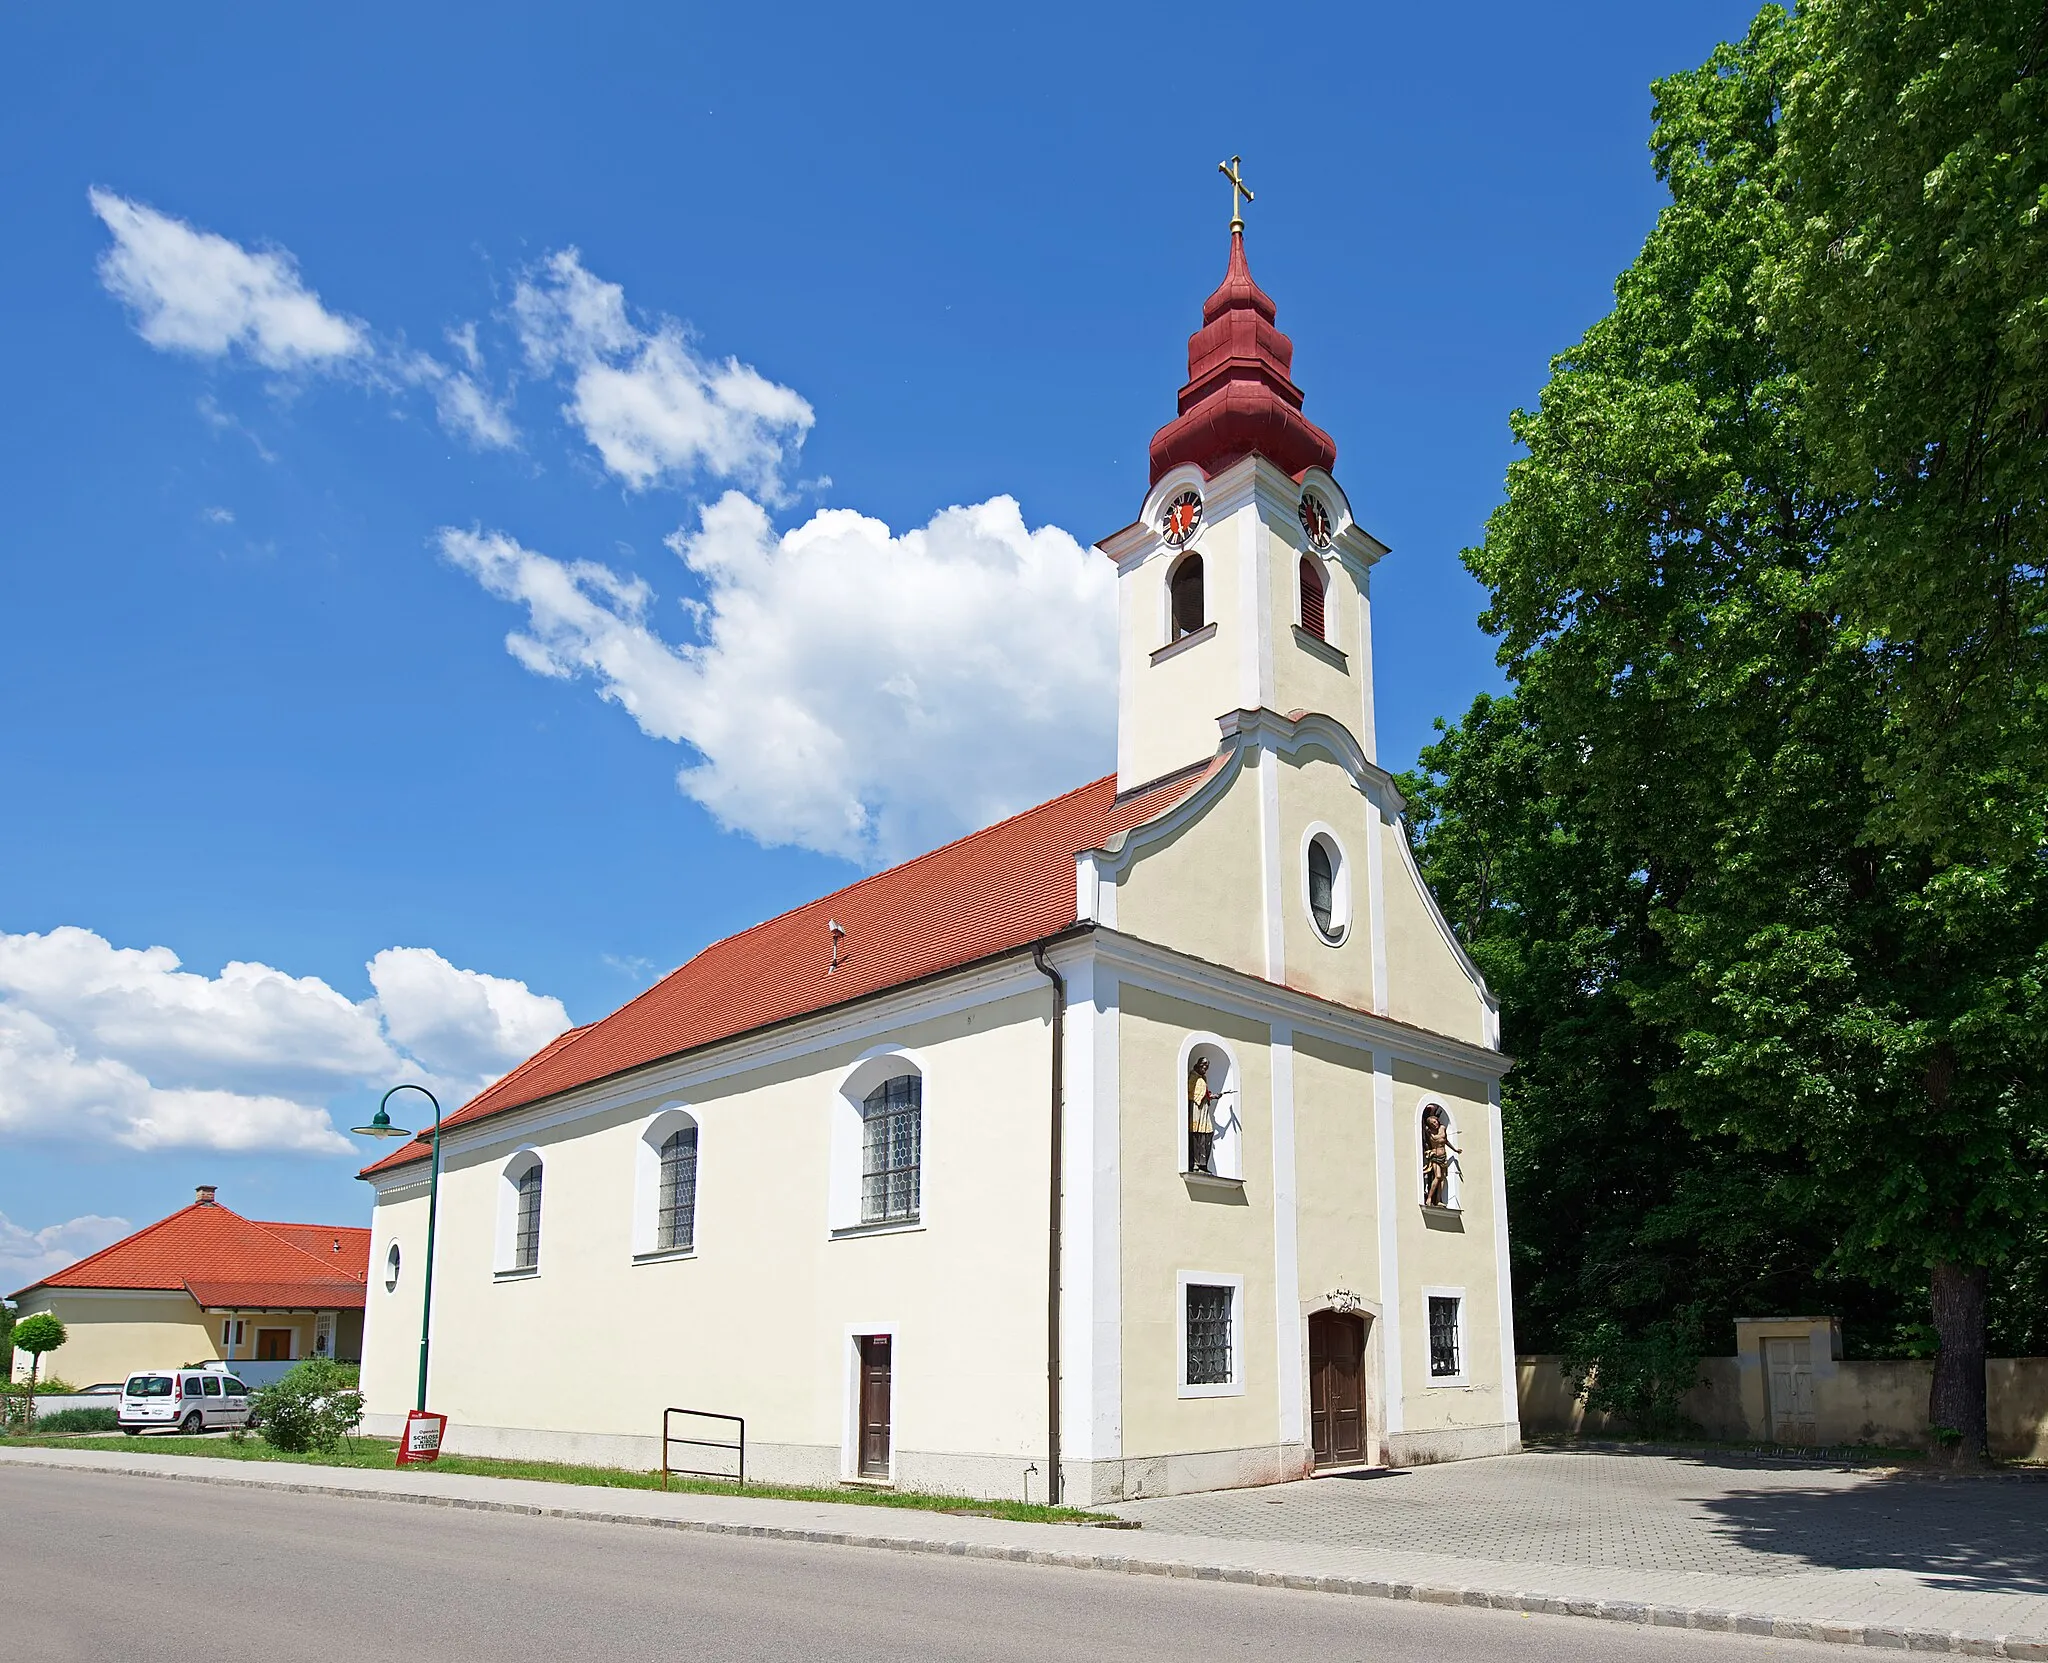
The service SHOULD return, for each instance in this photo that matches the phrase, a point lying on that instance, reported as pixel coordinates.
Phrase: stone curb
(1882, 1635)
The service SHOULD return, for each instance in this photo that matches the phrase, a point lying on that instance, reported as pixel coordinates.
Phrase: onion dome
(1239, 397)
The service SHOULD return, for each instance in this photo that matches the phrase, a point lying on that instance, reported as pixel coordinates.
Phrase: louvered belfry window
(1312, 597)
(677, 1221)
(892, 1150)
(526, 1228)
(1208, 1341)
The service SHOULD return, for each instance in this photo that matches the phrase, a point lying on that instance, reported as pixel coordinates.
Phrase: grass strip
(381, 1455)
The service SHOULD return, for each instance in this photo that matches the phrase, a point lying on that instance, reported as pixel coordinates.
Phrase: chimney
(203, 1194)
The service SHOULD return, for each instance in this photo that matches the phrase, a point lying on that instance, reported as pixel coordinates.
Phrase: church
(1146, 1142)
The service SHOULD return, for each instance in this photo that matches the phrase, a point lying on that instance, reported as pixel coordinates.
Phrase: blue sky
(341, 347)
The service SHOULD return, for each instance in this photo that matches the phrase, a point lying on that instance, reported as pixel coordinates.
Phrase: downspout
(1052, 1251)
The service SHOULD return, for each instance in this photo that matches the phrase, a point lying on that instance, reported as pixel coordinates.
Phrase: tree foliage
(1762, 894)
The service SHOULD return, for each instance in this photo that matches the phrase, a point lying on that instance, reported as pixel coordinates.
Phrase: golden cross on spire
(1238, 188)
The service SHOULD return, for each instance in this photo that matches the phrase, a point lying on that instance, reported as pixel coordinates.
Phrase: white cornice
(870, 1018)
(1251, 479)
(1146, 964)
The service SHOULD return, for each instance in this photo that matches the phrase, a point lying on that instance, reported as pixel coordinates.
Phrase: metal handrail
(669, 1439)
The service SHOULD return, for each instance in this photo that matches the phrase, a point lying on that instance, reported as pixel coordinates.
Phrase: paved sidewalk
(1986, 1612)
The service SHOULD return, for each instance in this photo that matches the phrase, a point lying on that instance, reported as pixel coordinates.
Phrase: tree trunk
(1957, 1402)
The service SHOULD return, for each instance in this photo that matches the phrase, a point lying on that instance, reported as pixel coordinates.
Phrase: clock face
(1315, 520)
(1183, 518)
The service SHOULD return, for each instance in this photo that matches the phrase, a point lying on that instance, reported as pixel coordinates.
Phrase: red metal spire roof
(1240, 397)
(991, 892)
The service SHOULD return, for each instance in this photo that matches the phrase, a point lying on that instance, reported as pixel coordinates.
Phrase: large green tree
(1769, 942)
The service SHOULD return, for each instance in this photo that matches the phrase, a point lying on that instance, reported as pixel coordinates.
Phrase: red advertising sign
(422, 1441)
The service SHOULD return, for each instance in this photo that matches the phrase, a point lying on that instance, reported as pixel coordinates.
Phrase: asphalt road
(100, 1567)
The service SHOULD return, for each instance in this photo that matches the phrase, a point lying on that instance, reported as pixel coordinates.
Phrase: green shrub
(1639, 1375)
(79, 1420)
(313, 1407)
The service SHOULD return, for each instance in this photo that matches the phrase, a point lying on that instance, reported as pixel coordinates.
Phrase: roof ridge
(291, 1246)
(656, 986)
(132, 1236)
(885, 872)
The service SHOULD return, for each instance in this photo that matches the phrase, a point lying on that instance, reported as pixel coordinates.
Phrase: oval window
(391, 1269)
(1328, 891)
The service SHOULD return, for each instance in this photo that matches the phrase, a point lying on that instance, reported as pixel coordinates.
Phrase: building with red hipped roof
(1147, 1141)
(206, 1284)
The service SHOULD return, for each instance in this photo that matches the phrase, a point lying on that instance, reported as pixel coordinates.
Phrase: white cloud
(122, 1045)
(650, 405)
(849, 690)
(218, 516)
(460, 1022)
(27, 1256)
(198, 292)
(193, 291)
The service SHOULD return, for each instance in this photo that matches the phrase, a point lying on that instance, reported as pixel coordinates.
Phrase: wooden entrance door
(273, 1345)
(874, 1406)
(1336, 1387)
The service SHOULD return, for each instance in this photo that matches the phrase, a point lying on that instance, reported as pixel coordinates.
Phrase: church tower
(1244, 583)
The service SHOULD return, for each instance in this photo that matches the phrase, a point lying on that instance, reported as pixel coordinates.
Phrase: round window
(391, 1269)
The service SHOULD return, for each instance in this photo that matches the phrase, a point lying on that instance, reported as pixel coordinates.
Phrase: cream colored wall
(111, 1336)
(1168, 1229)
(391, 1317)
(1336, 1174)
(756, 1323)
(1303, 679)
(1316, 789)
(1448, 1252)
(1427, 985)
(1167, 711)
(1198, 891)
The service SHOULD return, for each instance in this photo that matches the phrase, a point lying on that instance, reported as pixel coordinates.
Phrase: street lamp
(380, 1127)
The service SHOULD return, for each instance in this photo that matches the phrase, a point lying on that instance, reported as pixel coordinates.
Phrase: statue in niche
(1202, 1101)
(1439, 1157)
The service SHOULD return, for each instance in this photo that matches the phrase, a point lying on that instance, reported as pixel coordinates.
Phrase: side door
(213, 1402)
(235, 1400)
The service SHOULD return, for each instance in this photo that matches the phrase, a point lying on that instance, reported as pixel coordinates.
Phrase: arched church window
(1312, 588)
(676, 1223)
(892, 1154)
(1439, 1158)
(519, 1215)
(1185, 589)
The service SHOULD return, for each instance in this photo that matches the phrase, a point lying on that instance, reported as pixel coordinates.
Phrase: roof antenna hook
(838, 936)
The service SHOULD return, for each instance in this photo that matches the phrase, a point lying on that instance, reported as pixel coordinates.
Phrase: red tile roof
(991, 892)
(213, 1246)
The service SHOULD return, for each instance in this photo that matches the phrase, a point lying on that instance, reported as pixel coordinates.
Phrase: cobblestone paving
(1652, 1513)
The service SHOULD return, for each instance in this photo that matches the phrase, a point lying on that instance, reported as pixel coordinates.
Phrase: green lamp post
(380, 1127)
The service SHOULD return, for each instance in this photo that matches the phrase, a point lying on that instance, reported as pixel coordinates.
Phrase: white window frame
(1227, 1153)
(323, 1329)
(1464, 1375)
(394, 1265)
(515, 1167)
(1182, 1281)
(1456, 1203)
(656, 1130)
(1327, 569)
(1340, 884)
(848, 1142)
(234, 1332)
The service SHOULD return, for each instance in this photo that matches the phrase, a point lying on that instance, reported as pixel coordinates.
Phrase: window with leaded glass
(1444, 1362)
(526, 1220)
(892, 1148)
(1208, 1342)
(676, 1217)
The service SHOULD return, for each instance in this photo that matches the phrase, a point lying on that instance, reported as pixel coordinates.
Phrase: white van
(182, 1400)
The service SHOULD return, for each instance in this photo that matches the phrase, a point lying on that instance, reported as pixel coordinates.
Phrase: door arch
(1336, 1387)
